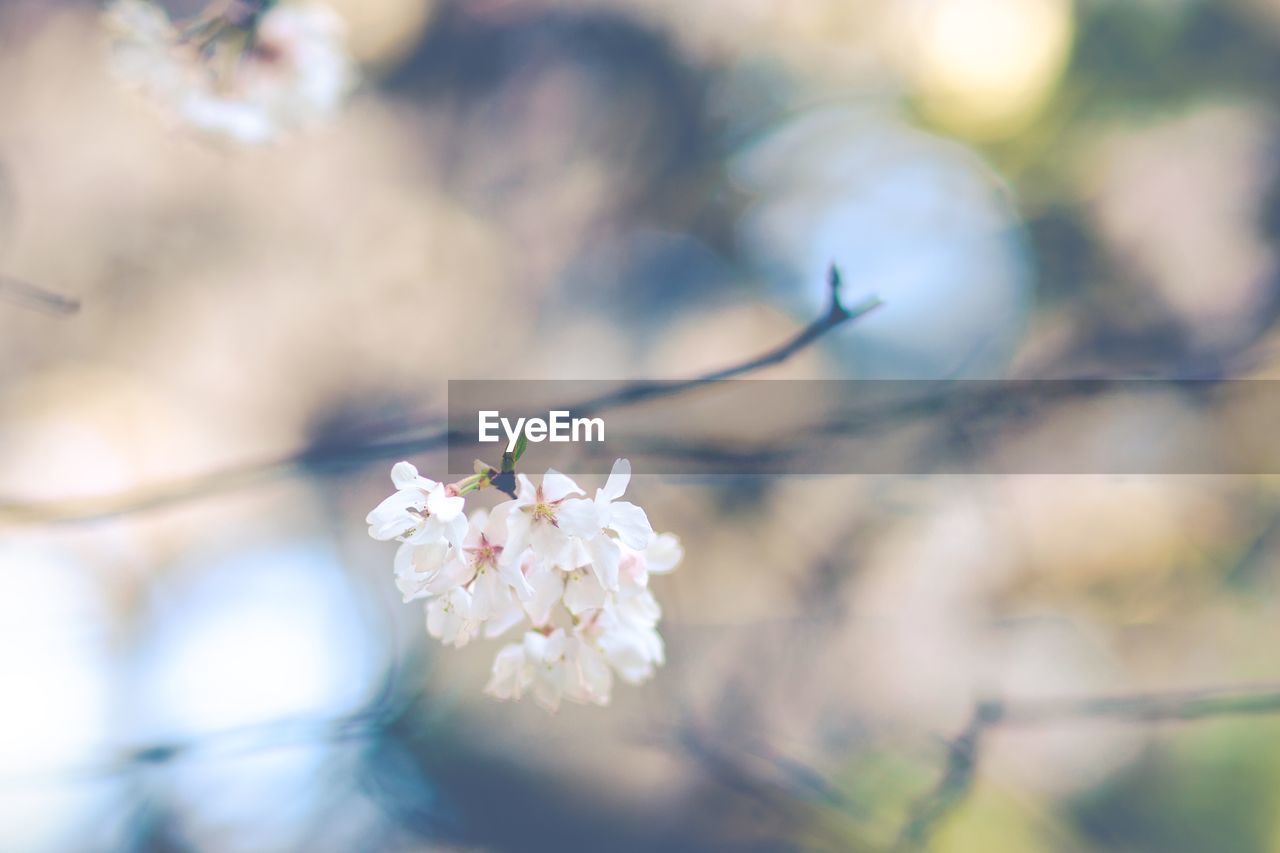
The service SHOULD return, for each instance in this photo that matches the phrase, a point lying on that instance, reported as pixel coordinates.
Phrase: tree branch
(964, 751)
(27, 295)
(836, 315)
(957, 778)
(339, 457)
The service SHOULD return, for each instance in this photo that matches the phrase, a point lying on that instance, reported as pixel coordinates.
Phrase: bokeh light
(59, 699)
(983, 67)
(258, 636)
(914, 219)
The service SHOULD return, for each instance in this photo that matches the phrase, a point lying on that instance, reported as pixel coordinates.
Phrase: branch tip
(834, 283)
(989, 711)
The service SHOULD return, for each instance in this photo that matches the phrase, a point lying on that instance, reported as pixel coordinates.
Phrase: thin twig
(28, 295)
(964, 751)
(836, 315)
(957, 778)
(1149, 707)
(251, 739)
(337, 457)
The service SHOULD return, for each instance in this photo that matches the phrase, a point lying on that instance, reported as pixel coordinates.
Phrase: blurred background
(201, 648)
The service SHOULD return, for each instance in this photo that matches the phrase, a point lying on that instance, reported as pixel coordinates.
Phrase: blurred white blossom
(575, 571)
(421, 512)
(592, 521)
(246, 70)
(449, 618)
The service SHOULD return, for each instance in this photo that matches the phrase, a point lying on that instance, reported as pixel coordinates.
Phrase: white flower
(628, 636)
(592, 679)
(421, 511)
(583, 592)
(590, 521)
(492, 569)
(503, 620)
(238, 73)
(511, 674)
(624, 518)
(541, 518)
(635, 605)
(552, 673)
(538, 665)
(418, 569)
(449, 618)
(663, 554)
(634, 652)
(548, 588)
(398, 516)
(586, 524)
(625, 630)
(578, 570)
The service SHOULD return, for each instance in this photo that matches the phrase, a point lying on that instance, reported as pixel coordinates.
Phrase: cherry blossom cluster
(248, 71)
(573, 570)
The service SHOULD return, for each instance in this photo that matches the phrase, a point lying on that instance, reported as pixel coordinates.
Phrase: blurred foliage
(1212, 788)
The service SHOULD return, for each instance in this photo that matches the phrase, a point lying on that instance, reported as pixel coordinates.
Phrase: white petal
(595, 675)
(429, 558)
(516, 536)
(496, 523)
(548, 688)
(449, 618)
(475, 528)
(633, 654)
(503, 621)
(444, 506)
(605, 557)
(639, 608)
(576, 557)
(556, 486)
(555, 647)
(416, 567)
(631, 524)
(507, 678)
(583, 592)
(403, 562)
(442, 618)
(663, 554)
(619, 477)
(631, 570)
(391, 517)
(548, 586)
(578, 517)
(405, 476)
(490, 595)
(449, 576)
(398, 503)
(412, 586)
(428, 532)
(509, 571)
(549, 543)
(526, 492)
(535, 647)
(435, 617)
(455, 532)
